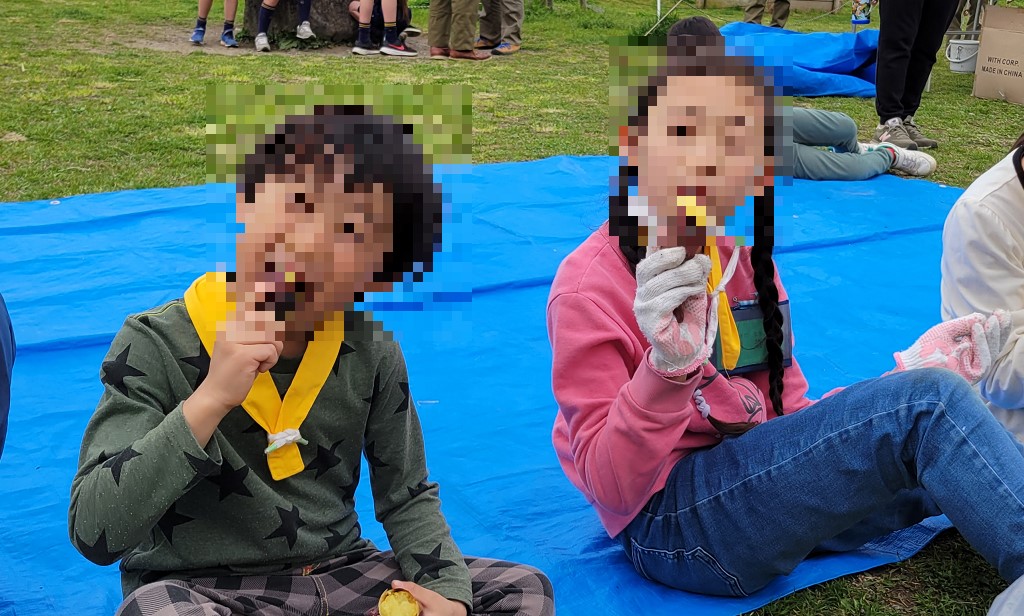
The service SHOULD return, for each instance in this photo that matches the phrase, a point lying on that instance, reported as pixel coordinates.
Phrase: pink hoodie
(621, 427)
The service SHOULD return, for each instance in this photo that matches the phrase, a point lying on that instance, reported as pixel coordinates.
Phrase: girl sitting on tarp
(682, 410)
(983, 269)
(222, 462)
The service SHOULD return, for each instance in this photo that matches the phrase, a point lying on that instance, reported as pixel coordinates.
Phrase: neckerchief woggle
(206, 301)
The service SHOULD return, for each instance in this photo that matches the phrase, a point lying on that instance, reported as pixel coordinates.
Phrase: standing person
(227, 36)
(682, 411)
(452, 30)
(221, 464)
(7, 353)
(910, 34)
(755, 11)
(267, 8)
(392, 45)
(403, 23)
(983, 269)
(501, 27)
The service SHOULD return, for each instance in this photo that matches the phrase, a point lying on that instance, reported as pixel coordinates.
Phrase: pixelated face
(309, 246)
(704, 140)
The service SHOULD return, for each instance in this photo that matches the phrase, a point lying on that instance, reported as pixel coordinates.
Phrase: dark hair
(1019, 143)
(686, 58)
(699, 26)
(374, 149)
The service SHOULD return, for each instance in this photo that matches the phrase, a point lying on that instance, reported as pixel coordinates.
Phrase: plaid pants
(345, 585)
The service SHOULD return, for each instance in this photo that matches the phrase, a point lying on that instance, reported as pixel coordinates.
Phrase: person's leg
(818, 127)
(226, 596)
(780, 13)
(440, 23)
(353, 586)
(754, 12)
(364, 45)
(353, 10)
(464, 24)
(512, 15)
(735, 516)
(932, 29)
(504, 589)
(304, 31)
(7, 354)
(812, 163)
(227, 36)
(490, 25)
(200, 30)
(900, 20)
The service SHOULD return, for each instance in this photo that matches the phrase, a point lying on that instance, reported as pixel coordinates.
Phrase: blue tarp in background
(71, 269)
(811, 64)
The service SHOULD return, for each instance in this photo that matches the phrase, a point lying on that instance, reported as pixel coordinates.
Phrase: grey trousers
(503, 21)
(814, 129)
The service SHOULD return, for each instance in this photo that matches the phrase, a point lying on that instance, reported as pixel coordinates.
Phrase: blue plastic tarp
(811, 64)
(73, 268)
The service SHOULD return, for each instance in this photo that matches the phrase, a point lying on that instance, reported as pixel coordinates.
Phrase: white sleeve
(983, 270)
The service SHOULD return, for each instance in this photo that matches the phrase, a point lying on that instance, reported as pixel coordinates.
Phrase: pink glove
(968, 345)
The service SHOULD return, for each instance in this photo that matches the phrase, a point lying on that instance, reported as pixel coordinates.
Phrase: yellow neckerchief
(208, 307)
(729, 335)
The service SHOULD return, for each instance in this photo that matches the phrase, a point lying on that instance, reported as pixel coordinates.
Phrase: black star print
(350, 487)
(231, 480)
(202, 468)
(376, 388)
(404, 405)
(117, 462)
(325, 459)
(171, 519)
(98, 552)
(200, 362)
(290, 525)
(419, 489)
(375, 463)
(345, 350)
(430, 564)
(334, 539)
(115, 372)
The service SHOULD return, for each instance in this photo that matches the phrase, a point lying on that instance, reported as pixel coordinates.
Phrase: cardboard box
(1000, 71)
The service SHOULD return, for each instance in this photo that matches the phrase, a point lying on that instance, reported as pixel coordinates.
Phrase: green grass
(99, 113)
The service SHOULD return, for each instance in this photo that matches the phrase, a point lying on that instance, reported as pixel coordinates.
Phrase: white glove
(968, 345)
(671, 308)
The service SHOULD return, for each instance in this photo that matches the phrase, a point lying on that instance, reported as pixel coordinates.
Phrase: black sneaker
(366, 49)
(397, 48)
(412, 30)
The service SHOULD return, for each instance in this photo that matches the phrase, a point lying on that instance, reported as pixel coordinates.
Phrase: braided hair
(699, 57)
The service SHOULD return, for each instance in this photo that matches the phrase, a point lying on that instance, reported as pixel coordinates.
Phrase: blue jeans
(6, 367)
(878, 456)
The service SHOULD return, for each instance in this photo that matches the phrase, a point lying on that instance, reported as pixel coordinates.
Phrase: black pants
(910, 34)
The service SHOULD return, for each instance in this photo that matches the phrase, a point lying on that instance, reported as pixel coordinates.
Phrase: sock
(304, 8)
(229, 27)
(201, 23)
(391, 33)
(364, 34)
(266, 14)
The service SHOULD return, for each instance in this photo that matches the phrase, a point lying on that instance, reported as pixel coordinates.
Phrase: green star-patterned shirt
(147, 494)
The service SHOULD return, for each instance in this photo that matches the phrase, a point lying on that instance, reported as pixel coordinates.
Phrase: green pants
(755, 10)
(814, 129)
(503, 21)
(453, 24)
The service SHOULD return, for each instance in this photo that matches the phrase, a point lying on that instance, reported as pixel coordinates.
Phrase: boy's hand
(432, 603)
(245, 349)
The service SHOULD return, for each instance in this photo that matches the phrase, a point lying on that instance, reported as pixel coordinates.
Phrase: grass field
(103, 95)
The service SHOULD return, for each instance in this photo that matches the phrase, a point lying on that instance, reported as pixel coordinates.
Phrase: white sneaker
(262, 42)
(910, 162)
(304, 31)
(866, 148)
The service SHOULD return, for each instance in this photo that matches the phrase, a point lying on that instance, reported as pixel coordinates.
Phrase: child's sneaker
(895, 133)
(505, 49)
(366, 49)
(228, 39)
(197, 36)
(262, 42)
(397, 48)
(304, 31)
(910, 162)
(412, 31)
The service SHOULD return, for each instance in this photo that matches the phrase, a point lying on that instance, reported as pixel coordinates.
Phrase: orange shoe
(505, 49)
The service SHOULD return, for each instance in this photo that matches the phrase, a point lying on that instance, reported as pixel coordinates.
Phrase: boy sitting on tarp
(222, 462)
